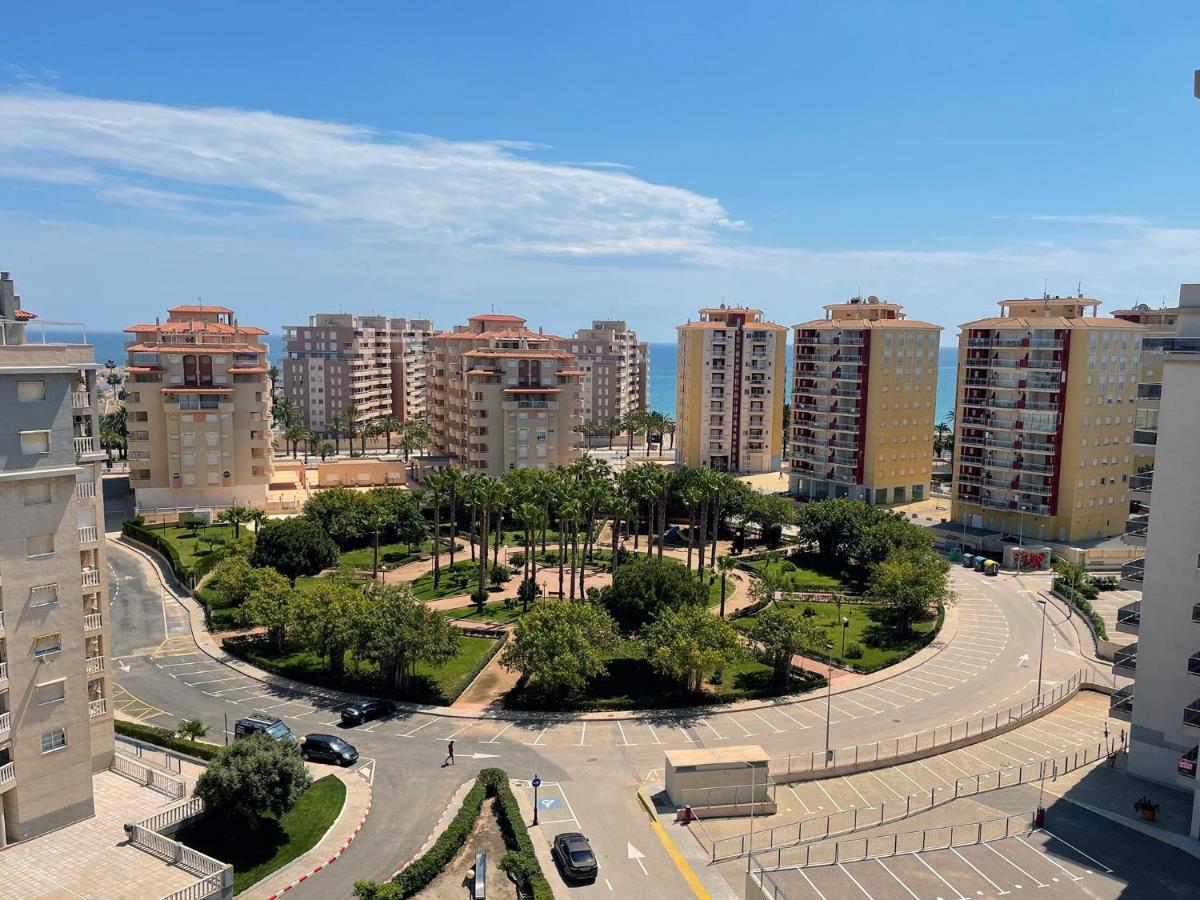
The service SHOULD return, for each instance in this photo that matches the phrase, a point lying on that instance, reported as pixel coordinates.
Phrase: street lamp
(828, 700)
(1041, 652)
(845, 625)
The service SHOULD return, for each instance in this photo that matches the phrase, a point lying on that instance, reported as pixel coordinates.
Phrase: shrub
(162, 738)
(1105, 582)
(516, 559)
(809, 612)
(854, 651)
(499, 575)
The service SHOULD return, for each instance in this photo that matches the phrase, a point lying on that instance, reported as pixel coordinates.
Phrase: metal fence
(152, 778)
(852, 820)
(730, 794)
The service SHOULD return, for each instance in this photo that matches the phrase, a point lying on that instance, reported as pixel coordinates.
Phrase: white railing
(151, 778)
(5, 722)
(3, 670)
(80, 399)
(84, 445)
(85, 490)
(215, 877)
(95, 664)
(1, 620)
(7, 773)
(88, 534)
(93, 621)
(90, 577)
(97, 707)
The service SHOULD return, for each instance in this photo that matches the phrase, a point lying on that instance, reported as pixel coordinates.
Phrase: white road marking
(811, 885)
(624, 740)
(999, 889)
(653, 733)
(919, 859)
(418, 728)
(1033, 878)
(582, 735)
(706, 724)
(898, 881)
(1054, 862)
(687, 737)
(855, 880)
(768, 724)
(496, 736)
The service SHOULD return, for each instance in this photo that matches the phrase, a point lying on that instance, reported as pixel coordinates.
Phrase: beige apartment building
(377, 364)
(615, 366)
(503, 397)
(198, 411)
(864, 383)
(1044, 420)
(729, 391)
(56, 725)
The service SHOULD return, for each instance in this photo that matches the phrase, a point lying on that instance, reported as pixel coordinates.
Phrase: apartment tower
(1044, 420)
(56, 725)
(729, 391)
(864, 381)
(377, 364)
(615, 367)
(198, 410)
(503, 397)
(1163, 704)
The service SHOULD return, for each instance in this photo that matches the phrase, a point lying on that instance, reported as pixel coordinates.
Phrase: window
(39, 545)
(54, 740)
(43, 595)
(37, 493)
(31, 391)
(35, 442)
(52, 692)
(189, 370)
(47, 645)
(206, 375)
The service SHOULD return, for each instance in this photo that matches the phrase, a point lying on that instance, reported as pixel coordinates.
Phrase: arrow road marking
(636, 855)
(1023, 660)
(484, 755)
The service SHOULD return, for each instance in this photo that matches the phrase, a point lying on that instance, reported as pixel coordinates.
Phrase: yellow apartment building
(729, 390)
(1044, 420)
(864, 383)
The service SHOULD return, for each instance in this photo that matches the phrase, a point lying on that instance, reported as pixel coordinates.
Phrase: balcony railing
(95, 665)
(1186, 766)
(3, 670)
(84, 445)
(90, 577)
(1147, 436)
(1191, 714)
(93, 622)
(85, 490)
(88, 534)
(97, 707)
(1194, 663)
(1195, 614)
(80, 399)
(1120, 704)
(7, 773)
(1129, 617)
(5, 722)
(1142, 482)
(1125, 658)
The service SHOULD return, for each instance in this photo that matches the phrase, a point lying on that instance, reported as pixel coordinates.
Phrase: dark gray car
(328, 748)
(574, 855)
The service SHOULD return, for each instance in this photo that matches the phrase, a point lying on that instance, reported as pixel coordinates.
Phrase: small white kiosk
(730, 781)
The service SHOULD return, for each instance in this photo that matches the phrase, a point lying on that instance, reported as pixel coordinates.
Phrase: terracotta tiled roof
(532, 390)
(195, 328)
(24, 315)
(211, 349)
(854, 324)
(199, 308)
(1034, 322)
(495, 317)
(519, 354)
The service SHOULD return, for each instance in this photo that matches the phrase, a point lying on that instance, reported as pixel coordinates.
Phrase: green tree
(725, 564)
(645, 585)
(351, 420)
(294, 547)
(908, 583)
(335, 428)
(233, 581)
(686, 643)
(389, 425)
(271, 604)
(191, 729)
(414, 435)
(327, 617)
(235, 516)
(779, 634)
(402, 516)
(341, 514)
(398, 632)
(771, 514)
(252, 777)
(561, 646)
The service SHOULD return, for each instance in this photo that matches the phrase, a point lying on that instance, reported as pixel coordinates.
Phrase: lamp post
(537, 783)
(1041, 652)
(828, 700)
(845, 626)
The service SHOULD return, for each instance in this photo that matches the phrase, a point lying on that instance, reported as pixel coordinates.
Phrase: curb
(437, 828)
(337, 855)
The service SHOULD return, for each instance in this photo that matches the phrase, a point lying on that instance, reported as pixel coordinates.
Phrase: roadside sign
(537, 782)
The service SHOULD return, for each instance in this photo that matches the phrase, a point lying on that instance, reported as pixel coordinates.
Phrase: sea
(661, 386)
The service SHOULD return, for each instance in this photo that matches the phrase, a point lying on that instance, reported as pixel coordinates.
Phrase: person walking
(450, 755)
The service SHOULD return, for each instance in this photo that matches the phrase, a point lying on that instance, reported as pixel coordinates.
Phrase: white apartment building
(615, 366)
(55, 695)
(1163, 704)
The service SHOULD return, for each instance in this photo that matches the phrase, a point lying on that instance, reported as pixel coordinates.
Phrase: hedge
(142, 534)
(152, 734)
(1083, 604)
(422, 871)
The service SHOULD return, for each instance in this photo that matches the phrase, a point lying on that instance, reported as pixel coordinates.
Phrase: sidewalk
(327, 850)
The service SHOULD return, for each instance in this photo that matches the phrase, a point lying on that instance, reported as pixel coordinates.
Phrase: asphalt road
(990, 664)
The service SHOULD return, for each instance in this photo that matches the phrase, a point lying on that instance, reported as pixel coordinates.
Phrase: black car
(260, 724)
(575, 857)
(328, 748)
(365, 710)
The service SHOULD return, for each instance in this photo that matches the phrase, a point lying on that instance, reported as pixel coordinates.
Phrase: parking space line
(496, 736)
(999, 889)
(1080, 852)
(855, 880)
(921, 763)
(844, 712)
(212, 680)
(817, 782)
(454, 734)
(886, 785)
(537, 741)
(747, 731)
(687, 737)
(961, 895)
(811, 885)
(897, 877)
(791, 718)
(705, 723)
(1053, 862)
(653, 733)
(418, 728)
(846, 698)
(624, 740)
(799, 799)
(850, 784)
(1035, 879)
(583, 734)
(765, 722)
(891, 703)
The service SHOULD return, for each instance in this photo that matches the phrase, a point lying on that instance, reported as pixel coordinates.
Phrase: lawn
(255, 854)
(462, 578)
(799, 572)
(192, 549)
(497, 612)
(631, 684)
(880, 647)
(390, 555)
(440, 684)
(516, 538)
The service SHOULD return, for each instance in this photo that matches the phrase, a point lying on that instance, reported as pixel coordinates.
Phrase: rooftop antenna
(1079, 288)
(1045, 288)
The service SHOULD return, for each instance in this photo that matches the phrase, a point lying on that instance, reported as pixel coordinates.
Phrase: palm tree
(434, 498)
(570, 513)
(350, 419)
(370, 431)
(336, 427)
(669, 425)
(939, 442)
(472, 483)
(656, 423)
(375, 521)
(325, 449)
(726, 565)
(389, 424)
(414, 434)
(530, 516)
(452, 481)
(659, 484)
(111, 439)
(273, 374)
(235, 516)
(690, 497)
(295, 434)
(619, 509)
(256, 517)
(612, 425)
(632, 422)
(492, 495)
(709, 484)
(286, 413)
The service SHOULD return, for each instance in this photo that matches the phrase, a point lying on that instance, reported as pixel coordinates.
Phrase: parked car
(268, 725)
(365, 710)
(574, 855)
(328, 748)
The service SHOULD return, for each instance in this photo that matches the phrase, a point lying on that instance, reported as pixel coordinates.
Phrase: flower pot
(1112, 760)
(1149, 814)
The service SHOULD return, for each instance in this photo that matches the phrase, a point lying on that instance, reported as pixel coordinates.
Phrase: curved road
(590, 767)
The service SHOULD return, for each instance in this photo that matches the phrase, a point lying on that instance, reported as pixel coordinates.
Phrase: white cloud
(404, 187)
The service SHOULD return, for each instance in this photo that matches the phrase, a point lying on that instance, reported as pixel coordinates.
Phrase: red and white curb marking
(329, 862)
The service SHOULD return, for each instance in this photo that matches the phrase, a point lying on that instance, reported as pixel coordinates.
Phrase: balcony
(1141, 483)
(97, 707)
(5, 722)
(1129, 617)
(85, 490)
(1136, 528)
(3, 671)
(1145, 436)
(1132, 574)
(1191, 714)
(93, 622)
(90, 577)
(1186, 766)
(95, 665)
(1120, 704)
(84, 445)
(1195, 614)
(7, 774)
(88, 534)
(81, 400)
(1125, 660)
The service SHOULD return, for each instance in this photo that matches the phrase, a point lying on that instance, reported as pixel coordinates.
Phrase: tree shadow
(232, 841)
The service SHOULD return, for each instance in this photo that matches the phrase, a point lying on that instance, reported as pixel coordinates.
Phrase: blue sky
(570, 160)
